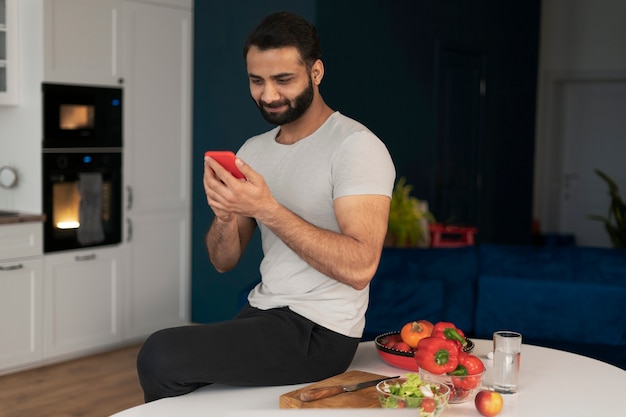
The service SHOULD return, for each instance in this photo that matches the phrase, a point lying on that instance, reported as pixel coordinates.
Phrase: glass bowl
(440, 396)
(462, 388)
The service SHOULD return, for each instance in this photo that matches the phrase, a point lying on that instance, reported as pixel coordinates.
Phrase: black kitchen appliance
(77, 116)
(82, 199)
(81, 166)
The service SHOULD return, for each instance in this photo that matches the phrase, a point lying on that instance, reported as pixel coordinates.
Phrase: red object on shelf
(442, 236)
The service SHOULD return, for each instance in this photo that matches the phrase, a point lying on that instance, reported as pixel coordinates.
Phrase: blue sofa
(571, 298)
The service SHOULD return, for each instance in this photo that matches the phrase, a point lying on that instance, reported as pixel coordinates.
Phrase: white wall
(583, 35)
(582, 41)
(20, 126)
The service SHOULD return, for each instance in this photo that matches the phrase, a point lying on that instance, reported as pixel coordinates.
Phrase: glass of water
(507, 347)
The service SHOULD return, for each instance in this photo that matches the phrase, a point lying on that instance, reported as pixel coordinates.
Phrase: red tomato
(414, 331)
(390, 341)
(457, 394)
(428, 405)
(402, 347)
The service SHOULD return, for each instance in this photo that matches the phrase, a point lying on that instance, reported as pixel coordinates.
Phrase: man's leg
(258, 348)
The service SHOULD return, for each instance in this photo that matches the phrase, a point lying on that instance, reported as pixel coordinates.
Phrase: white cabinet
(9, 63)
(157, 54)
(20, 294)
(83, 39)
(82, 42)
(20, 312)
(21, 240)
(157, 116)
(81, 300)
(157, 291)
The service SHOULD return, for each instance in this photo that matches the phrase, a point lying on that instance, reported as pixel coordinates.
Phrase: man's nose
(270, 93)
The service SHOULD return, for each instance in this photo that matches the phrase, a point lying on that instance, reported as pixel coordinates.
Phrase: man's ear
(317, 72)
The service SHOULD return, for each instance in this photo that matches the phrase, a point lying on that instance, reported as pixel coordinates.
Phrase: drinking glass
(507, 347)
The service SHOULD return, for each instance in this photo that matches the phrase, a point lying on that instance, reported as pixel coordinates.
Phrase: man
(318, 186)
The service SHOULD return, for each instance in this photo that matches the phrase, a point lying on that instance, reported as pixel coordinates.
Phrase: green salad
(413, 392)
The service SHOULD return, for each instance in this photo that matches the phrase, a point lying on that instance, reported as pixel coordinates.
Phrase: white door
(157, 295)
(594, 137)
(20, 312)
(81, 300)
(157, 47)
(82, 41)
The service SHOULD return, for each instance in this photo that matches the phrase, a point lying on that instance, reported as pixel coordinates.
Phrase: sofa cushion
(572, 294)
(430, 284)
(576, 263)
(545, 309)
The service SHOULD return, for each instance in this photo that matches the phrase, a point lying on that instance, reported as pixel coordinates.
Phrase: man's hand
(215, 187)
(228, 195)
(231, 230)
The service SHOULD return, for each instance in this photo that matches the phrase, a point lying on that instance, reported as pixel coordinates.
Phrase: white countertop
(553, 383)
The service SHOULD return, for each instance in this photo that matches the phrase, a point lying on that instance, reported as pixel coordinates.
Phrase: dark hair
(284, 29)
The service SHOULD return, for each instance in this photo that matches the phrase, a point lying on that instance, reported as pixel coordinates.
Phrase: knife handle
(318, 393)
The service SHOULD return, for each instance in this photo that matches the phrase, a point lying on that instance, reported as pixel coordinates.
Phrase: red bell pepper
(437, 355)
(447, 330)
(440, 326)
(469, 371)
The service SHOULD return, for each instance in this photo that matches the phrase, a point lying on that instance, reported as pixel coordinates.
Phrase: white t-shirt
(341, 158)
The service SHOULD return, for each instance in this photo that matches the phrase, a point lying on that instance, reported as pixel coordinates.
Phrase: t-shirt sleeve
(362, 165)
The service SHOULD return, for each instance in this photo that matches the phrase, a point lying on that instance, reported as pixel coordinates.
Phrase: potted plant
(615, 220)
(408, 218)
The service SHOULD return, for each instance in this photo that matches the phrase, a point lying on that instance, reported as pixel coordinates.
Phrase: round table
(552, 383)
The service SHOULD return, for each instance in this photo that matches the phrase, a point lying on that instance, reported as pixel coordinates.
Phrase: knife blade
(325, 392)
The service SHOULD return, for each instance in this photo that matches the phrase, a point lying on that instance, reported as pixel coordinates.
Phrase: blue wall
(381, 61)
(224, 117)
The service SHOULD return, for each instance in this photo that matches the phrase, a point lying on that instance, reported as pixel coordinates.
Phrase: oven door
(82, 200)
(81, 116)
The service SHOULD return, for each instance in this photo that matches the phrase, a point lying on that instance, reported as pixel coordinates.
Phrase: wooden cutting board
(363, 398)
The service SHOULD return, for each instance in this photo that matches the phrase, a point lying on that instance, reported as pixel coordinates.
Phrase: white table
(552, 383)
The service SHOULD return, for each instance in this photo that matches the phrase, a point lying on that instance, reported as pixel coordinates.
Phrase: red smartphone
(227, 160)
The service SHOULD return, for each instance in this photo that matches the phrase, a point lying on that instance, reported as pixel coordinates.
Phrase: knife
(325, 392)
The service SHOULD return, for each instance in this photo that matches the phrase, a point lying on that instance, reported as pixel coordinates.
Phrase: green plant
(408, 218)
(615, 220)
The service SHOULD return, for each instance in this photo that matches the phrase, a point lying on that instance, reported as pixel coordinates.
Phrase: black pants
(257, 348)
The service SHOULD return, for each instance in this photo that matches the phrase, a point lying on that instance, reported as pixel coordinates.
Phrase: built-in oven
(81, 166)
(82, 199)
(78, 116)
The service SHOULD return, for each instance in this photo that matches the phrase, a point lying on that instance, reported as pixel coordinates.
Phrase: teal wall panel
(224, 117)
(381, 59)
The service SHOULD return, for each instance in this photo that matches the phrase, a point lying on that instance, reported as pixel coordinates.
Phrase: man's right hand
(214, 187)
(230, 232)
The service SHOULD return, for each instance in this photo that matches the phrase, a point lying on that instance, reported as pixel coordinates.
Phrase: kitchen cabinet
(20, 294)
(81, 300)
(96, 298)
(9, 63)
(82, 42)
(157, 164)
(156, 294)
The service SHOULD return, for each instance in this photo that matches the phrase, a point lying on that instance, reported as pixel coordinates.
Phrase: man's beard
(301, 104)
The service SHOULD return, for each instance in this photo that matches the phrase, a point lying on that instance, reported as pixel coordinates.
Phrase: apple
(488, 403)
